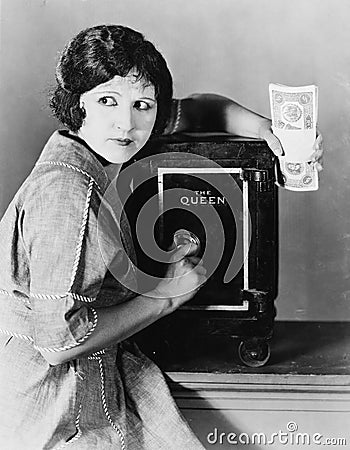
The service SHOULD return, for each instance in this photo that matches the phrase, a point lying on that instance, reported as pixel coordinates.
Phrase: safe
(218, 190)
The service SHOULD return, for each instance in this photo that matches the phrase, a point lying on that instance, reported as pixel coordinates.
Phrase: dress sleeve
(199, 113)
(186, 116)
(174, 122)
(59, 228)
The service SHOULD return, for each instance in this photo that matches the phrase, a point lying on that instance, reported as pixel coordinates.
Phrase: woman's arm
(119, 322)
(71, 240)
(114, 324)
(216, 113)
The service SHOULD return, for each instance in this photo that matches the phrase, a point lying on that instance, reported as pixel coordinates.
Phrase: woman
(69, 377)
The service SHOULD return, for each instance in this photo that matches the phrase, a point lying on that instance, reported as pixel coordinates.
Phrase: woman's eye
(107, 101)
(142, 106)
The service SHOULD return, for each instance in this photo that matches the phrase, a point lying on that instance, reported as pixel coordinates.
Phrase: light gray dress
(58, 238)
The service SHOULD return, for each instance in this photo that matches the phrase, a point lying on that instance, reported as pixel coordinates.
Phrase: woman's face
(120, 115)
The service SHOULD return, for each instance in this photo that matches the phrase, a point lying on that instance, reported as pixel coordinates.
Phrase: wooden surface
(306, 386)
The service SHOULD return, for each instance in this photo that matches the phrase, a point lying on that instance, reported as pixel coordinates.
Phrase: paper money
(294, 117)
(297, 176)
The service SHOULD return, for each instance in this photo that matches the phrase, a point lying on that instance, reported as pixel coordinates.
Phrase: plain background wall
(232, 47)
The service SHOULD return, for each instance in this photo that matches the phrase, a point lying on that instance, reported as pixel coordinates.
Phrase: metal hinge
(264, 182)
(258, 299)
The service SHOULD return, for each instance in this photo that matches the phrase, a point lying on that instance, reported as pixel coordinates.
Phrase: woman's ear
(82, 110)
(82, 105)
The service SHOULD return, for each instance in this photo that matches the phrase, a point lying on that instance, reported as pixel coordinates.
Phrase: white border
(182, 170)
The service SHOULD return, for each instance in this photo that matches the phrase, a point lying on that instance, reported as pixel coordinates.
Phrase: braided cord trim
(74, 272)
(67, 347)
(49, 349)
(74, 295)
(178, 116)
(77, 436)
(69, 166)
(17, 335)
(105, 408)
(82, 233)
(97, 355)
(82, 298)
(48, 296)
(2, 291)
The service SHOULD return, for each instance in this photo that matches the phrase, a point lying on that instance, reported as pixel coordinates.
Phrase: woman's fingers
(195, 263)
(200, 270)
(318, 141)
(275, 145)
(318, 148)
(272, 141)
(317, 156)
(195, 260)
(319, 167)
(184, 250)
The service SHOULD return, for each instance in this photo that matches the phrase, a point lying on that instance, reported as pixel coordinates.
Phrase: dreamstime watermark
(220, 190)
(291, 436)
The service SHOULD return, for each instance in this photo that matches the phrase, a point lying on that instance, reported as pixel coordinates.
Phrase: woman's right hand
(183, 279)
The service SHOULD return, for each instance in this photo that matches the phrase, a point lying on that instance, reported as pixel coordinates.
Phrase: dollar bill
(293, 108)
(294, 112)
(297, 176)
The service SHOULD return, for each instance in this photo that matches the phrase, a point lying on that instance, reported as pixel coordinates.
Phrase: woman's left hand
(276, 146)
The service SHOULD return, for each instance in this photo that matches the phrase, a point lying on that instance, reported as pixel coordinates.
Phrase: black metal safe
(220, 188)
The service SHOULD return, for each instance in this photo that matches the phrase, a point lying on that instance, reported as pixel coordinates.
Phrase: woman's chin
(119, 160)
(120, 155)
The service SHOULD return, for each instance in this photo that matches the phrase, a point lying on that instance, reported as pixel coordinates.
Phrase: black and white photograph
(174, 224)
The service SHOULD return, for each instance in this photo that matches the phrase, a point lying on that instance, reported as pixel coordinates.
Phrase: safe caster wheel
(254, 354)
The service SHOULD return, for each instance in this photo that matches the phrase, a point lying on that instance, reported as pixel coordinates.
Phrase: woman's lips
(122, 142)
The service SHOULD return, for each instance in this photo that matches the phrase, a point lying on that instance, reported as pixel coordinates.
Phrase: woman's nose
(125, 119)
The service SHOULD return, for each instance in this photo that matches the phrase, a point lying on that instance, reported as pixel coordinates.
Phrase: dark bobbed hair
(95, 56)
